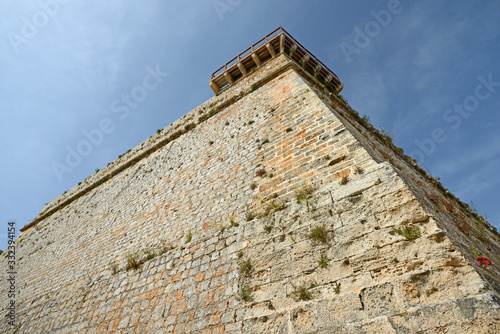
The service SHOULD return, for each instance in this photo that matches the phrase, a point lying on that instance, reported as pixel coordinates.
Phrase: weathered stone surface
(289, 249)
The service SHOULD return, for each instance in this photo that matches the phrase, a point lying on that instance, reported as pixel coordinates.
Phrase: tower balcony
(277, 42)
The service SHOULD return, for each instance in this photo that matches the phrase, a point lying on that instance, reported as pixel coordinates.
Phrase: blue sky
(428, 72)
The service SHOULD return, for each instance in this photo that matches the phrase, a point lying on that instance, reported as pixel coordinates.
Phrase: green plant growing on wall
(245, 294)
(189, 127)
(189, 236)
(268, 228)
(479, 257)
(358, 170)
(245, 268)
(385, 134)
(409, 232)
(150, 254)
(344, 180)
(476, 252)
(113, 266)
(343, 99)
(319, 234)
(481, 235)
(336, 288)
(250, 215)
(449, 207)
(133, 261)
(323, 261)
(305, 193)
(260, 172)
(288, 130)
(302, 292)
(273, 206)
(165, 247)
(232, 223)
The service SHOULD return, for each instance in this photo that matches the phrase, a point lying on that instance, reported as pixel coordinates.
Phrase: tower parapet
(277, 42)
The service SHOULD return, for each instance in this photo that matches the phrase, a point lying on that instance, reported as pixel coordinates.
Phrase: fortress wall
(250, 264)
(197, 116)
(468, 230)
(191, 184)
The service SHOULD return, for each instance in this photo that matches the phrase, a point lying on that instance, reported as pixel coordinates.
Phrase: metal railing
(249, 50)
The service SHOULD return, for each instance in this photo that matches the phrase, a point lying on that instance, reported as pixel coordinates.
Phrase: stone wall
(266, 209)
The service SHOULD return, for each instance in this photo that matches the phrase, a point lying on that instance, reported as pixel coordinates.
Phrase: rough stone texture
(235, 247)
